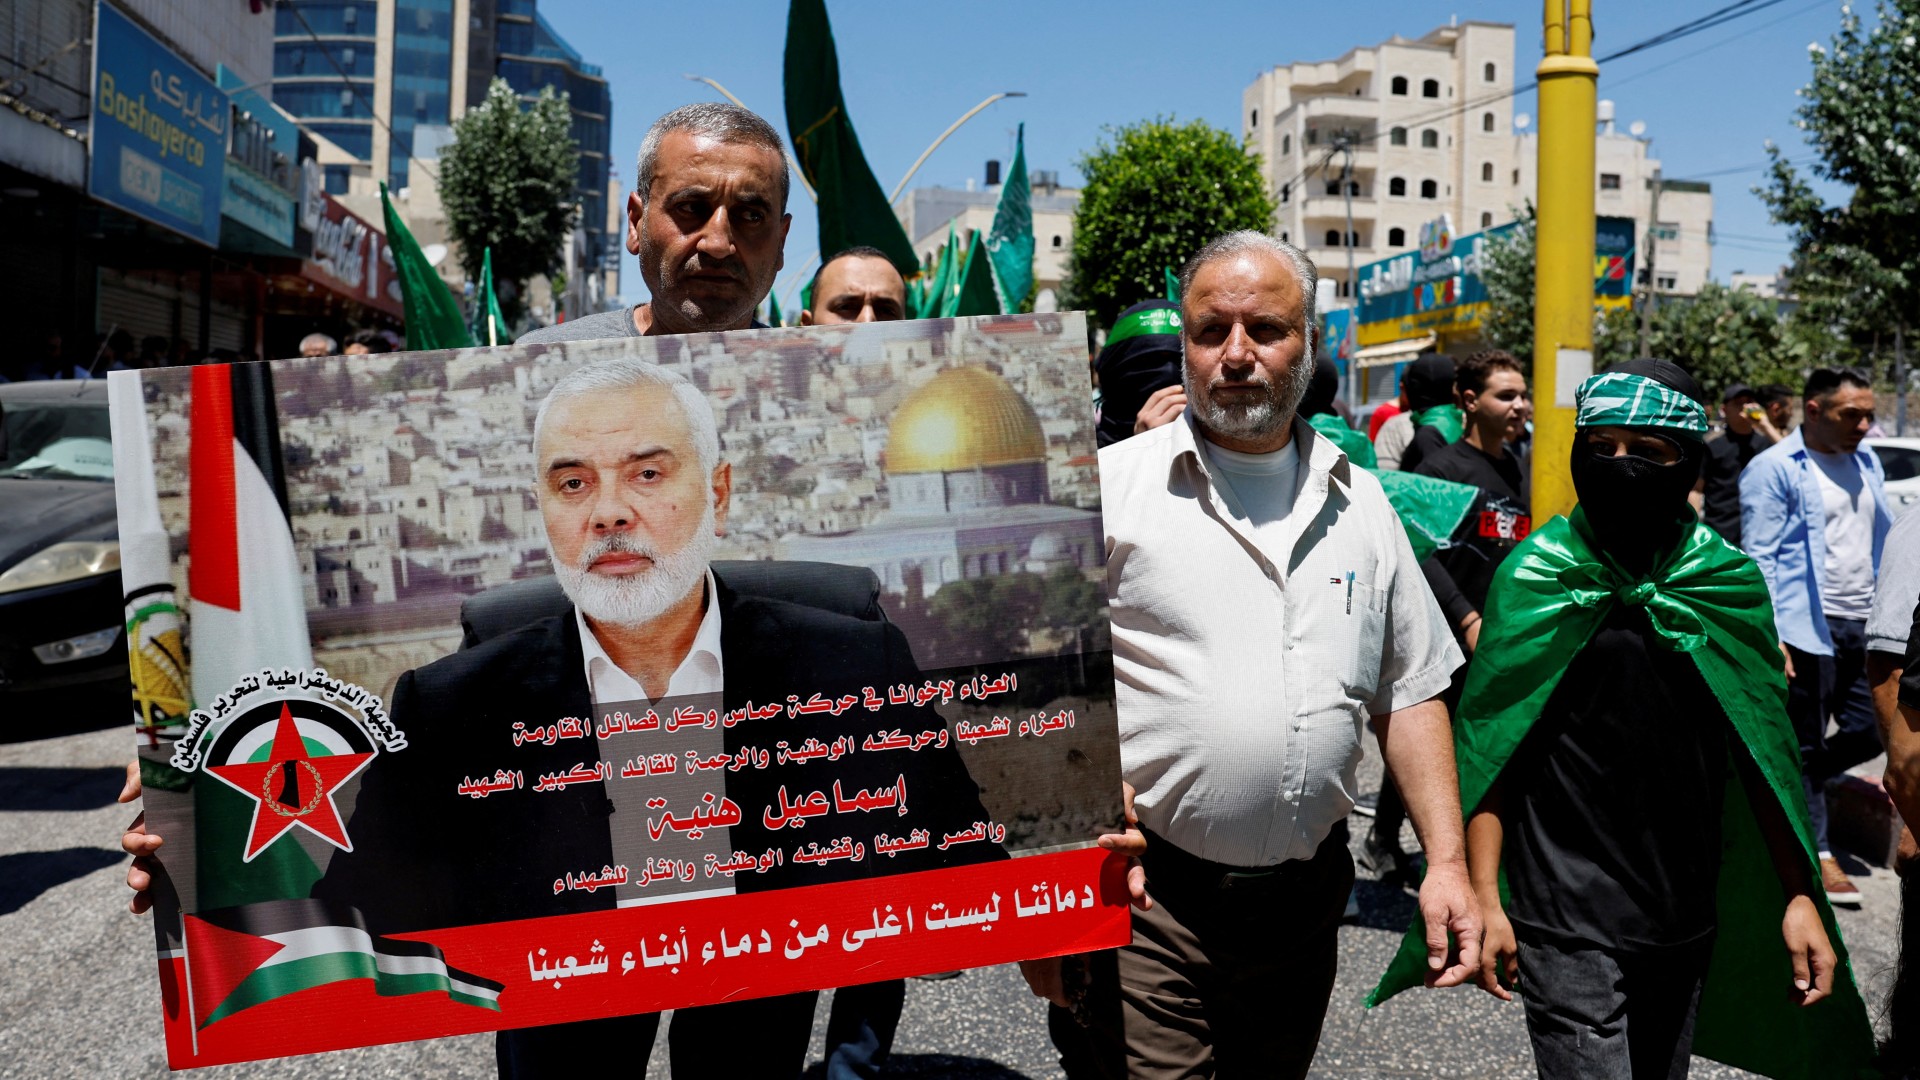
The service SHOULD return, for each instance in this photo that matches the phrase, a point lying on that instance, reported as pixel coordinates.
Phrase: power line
(1644, 72)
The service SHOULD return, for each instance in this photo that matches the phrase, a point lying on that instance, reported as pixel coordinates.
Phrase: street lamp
(798, 172)
(955, 126)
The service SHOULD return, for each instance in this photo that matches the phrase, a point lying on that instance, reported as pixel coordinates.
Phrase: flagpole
(798, 172)
(186, 962)
(955, 126)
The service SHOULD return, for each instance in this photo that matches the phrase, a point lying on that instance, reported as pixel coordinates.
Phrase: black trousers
(1598, 1014)
(1832, 687)
(748, 1040)
(1228, 976)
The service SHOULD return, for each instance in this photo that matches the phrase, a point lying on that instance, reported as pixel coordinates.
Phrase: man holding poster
(1265, 604)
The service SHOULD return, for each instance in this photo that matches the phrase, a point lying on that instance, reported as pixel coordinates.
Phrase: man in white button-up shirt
(1265, 604)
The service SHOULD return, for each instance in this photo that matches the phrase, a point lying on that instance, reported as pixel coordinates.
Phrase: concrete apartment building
(1432, 132)
(1624, 171)
(1429, 122)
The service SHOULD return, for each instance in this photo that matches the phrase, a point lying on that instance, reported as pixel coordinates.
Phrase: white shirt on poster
(701, 672)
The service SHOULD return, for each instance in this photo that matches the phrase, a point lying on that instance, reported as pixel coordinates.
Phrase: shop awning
(1393, 352)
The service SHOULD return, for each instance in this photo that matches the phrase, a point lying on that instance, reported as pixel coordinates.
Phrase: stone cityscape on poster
(393, 809)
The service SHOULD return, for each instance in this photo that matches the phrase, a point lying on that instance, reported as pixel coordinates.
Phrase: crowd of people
(1610, 731)
(119, 351)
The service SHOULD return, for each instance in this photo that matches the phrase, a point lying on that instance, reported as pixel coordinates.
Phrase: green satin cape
(1708, 600)
(1448, 418)
(1430, 509)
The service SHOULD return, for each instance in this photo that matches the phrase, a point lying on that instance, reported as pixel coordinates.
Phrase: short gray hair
(1247, 241)
(318, 338)
(627, 373)
(712, 120)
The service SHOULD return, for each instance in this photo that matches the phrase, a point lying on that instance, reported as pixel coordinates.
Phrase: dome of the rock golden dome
(963, 418)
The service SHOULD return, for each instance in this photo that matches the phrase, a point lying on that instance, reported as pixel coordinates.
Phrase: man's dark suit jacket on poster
(427, 857)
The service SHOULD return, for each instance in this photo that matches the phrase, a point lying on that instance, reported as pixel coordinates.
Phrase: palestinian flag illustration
(240, 957)
(288, 758)
(245, 592)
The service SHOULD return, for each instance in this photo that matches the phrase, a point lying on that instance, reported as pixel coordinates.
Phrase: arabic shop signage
(159, 142)
(1438, 289)
(262, 180)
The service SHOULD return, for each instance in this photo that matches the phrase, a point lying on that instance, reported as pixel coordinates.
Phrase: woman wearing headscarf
(1637, 832)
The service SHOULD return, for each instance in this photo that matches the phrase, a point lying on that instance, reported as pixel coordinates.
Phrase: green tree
(1506, 269)
(1855, 265)
(1720, 335)
(507, 182)
(1155, 192)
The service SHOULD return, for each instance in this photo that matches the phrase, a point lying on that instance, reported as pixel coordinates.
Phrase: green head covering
(1630, 399)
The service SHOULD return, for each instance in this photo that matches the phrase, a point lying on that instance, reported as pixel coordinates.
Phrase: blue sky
(1710, 101)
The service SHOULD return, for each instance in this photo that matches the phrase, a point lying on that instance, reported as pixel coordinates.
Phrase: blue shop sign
(159, 131)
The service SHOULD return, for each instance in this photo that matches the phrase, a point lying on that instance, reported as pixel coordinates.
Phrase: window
(1430, 88)
(1396, 238)
(1286, 191)
(1488, 74)
(1429, 189)
(1516, 178)
(1609, 181)
(1353, 189)
(1429, 140)
(1397, 186)
(1283, 236)
(337, 178)
(1400, 85)
(1397, 136)
(1286, 144)
(1253, 119)
(1057, 241)
(1333, 237)
(1666, 281)
(1333, 187)
(1486, 121)
(1486, 219)
(1486, 172)
(1313, 136)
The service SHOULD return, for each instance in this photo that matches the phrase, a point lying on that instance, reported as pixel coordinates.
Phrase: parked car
(61, 610)
(1901, 457)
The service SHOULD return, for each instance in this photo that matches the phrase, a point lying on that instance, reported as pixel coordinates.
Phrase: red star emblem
(290, 788)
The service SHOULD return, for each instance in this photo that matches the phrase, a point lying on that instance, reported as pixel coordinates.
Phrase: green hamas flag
(940, 285)
(853, 209)
(972, 290)
(1173, 285)
(493, 325)
(773, 310)
(432, 317)
(1010, 241)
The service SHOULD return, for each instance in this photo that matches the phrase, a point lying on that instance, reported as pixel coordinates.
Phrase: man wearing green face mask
(1638, 834)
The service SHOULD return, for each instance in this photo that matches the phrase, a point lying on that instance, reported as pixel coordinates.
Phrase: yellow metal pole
(1563, 247)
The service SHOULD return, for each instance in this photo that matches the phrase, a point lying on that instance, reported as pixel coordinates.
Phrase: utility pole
(1653, 247)
(1343, 143)
(1563, 257)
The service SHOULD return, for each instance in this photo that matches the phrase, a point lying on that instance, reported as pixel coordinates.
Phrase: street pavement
(80, 997)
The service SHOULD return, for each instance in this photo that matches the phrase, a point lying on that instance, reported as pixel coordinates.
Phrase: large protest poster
(406, 787)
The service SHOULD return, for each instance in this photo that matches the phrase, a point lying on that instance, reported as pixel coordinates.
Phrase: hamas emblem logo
(290, 754)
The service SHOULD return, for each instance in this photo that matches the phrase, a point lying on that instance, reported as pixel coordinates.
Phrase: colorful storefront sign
(1437, 289)
(159, 131)
(349, 255)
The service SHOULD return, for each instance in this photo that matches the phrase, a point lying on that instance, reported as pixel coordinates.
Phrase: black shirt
(1726, 456)
(1461, 575)
(1614, 798)
(1426, 439)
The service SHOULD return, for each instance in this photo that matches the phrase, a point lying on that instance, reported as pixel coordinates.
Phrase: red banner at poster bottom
(664, 956)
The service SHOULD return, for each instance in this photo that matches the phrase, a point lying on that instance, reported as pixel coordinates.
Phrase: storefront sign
(349, 255)
(1438, 289)
(263, 177)
(159, 131)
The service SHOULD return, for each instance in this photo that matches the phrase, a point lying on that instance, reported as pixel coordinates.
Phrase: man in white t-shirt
(1814, 516)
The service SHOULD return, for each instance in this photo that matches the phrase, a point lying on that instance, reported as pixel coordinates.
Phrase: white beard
(631, 600)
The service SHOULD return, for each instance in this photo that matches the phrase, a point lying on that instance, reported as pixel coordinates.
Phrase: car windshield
(64, 440)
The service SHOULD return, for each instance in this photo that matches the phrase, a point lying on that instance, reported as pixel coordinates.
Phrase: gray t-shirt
(1898, 589)
(598, 326)
(1393, 439)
